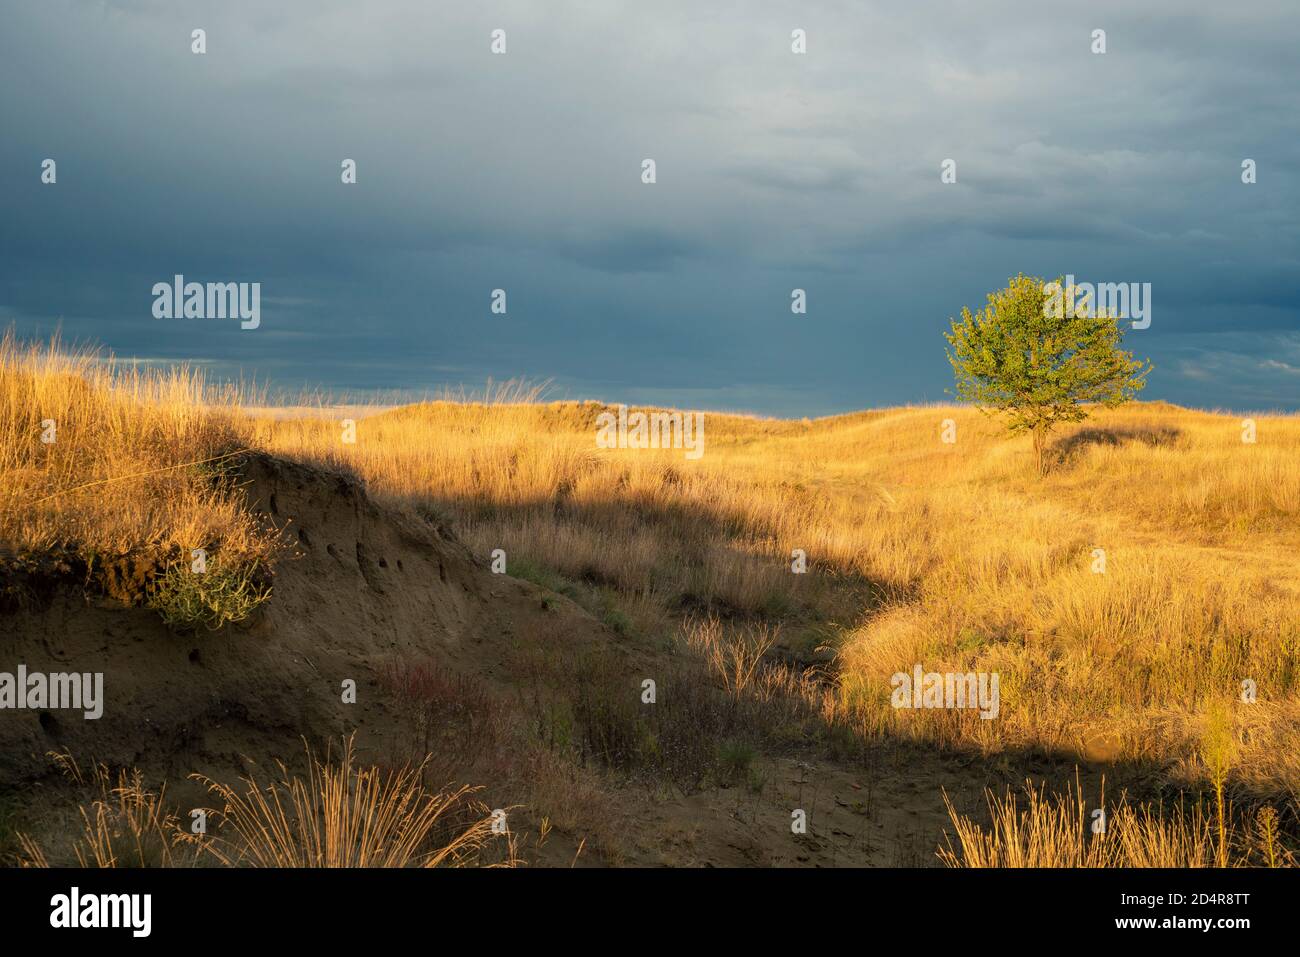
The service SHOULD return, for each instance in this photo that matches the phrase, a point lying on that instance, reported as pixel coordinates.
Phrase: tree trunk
(1040, 436)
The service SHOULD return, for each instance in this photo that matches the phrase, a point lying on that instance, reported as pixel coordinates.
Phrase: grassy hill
(953, 555)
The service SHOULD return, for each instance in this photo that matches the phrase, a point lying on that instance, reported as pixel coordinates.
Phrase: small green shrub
(223, 594)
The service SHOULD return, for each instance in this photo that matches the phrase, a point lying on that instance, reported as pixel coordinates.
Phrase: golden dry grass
(132, 460)
(954, 556)
(1062, 831)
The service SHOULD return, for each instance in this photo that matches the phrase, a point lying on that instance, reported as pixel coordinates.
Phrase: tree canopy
(1039, 366)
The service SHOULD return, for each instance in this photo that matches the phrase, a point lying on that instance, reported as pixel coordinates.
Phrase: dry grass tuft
(345, 815)
(125, 824)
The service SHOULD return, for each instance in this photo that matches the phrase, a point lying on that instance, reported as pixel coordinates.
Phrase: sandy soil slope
(363, 585)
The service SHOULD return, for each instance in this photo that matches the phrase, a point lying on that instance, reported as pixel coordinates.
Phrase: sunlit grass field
(1149, 575)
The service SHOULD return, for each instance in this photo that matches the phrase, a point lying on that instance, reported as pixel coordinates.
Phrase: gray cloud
(775, 171)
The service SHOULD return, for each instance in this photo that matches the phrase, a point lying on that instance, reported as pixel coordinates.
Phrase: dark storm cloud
(775, 171)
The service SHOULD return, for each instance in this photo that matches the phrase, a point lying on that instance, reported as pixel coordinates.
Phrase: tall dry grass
(1062, 830)
(105, 458)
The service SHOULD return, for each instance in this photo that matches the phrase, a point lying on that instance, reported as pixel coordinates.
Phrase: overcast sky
(774, 170)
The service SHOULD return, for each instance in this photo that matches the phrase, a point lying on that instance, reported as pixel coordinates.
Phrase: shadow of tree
(1066, 449)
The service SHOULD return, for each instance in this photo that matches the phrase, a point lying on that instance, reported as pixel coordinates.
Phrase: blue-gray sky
(775, 171)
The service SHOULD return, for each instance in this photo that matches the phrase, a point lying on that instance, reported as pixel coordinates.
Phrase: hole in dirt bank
(302, 537)
(194, 656)
(275, 508)
(50, 724)
(368, 568)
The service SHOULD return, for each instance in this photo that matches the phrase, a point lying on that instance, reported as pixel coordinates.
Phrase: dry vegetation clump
(342, 814)
(693, 721)
(455, 721)
(469, 730)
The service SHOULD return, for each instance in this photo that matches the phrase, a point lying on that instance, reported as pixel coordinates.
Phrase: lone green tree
(1025, 357)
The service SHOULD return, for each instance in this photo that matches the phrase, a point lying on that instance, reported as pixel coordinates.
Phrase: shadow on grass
(1067, 449)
